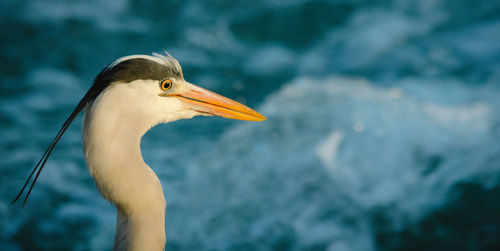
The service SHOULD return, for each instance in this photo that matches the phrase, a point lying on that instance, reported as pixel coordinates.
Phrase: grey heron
(128, 97)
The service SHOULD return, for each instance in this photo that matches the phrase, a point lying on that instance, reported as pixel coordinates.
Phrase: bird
(127, 98)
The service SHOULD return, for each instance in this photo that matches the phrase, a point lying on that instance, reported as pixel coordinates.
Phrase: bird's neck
(113, 155)
(140, 231)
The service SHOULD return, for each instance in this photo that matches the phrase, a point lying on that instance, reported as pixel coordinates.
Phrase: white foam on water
(327, 150)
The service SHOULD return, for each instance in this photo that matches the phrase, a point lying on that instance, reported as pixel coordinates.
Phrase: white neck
(112, 150)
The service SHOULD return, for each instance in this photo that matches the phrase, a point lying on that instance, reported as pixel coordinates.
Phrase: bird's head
(154, 86)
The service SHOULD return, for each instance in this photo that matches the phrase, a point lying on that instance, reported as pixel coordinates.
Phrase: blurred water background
(383, 122)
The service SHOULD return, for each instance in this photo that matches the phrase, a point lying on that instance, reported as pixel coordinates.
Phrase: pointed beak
(205, 101)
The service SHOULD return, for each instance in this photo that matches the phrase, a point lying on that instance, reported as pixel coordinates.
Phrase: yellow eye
(166, 84)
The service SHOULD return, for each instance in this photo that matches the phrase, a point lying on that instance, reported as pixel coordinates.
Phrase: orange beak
(205, 101)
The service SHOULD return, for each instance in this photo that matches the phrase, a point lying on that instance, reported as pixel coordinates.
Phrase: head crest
(169, 61)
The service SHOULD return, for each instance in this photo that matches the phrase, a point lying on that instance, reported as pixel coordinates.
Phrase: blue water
(383, 123)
